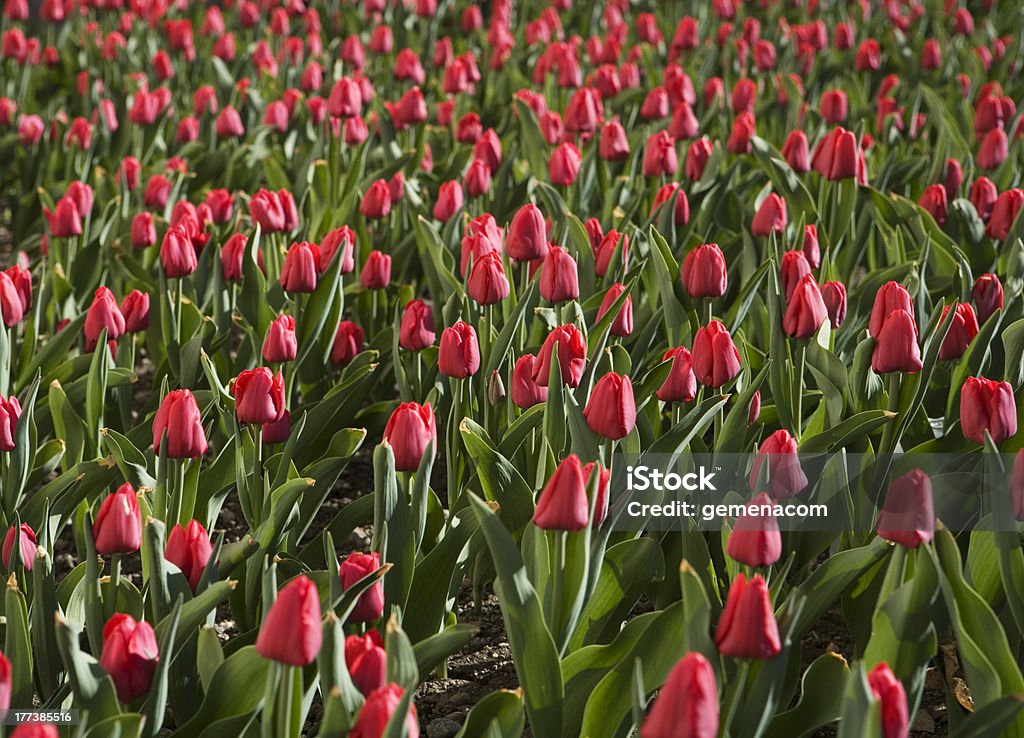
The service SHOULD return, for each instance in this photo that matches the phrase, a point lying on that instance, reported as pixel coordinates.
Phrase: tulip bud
(189, 549)
(747, 629)
(564, 164)
(558, 277)
(612, 243)
(487, 281)
(714, 355)
(987, 405)
(584, 111)
(613, 144)
(891, 296)
(834, 106)
(370, 605)
(660, 155)
(987, 294)
(908, 515)
(611, 410)
(1004, 213)
(563, 502)
(459, 354)
(25, 538)
(806, 309)
(340, 239)
(64, 220)
(896, 348)
(770, 217)
(118, 525)
(377, 710)
(259, 396)
(687, 706)
(103, 313)
(277, 431)
(672, 192)
(135, 309)
(291, 632)
(892, 698)
(410, 428)
(177, 254)
(495, 388)
(697, 157)
(934, 201)
(376, 273)
(129, 655)
(796, 152)
(835, 156)
(572, 356)
(179, 420)
(755, 539)
(833, 294)
(143, 230)
(280, 344)
(680, 385)
(231, 255)
(785, 478)
(525, 391)
(704, 272)
(367, 661)
(794, 268)
(953, 178)
(348, 343)
(983, 197)
(994, 149)
(527, 237)
(299, 272)
(622, 325)
(376, 202)
(416, 331)
(962, 331)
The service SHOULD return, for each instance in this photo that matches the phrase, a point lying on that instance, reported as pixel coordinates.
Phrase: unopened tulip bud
(370, 604)
(409, 430)
(784, 477)
(562, 504)
(908, 515)
(292, 632)
(281, 344)
(687, 706)
(748, 629)
(118, 525)
(987, 405)
(896, 348)
(611, 410)
(459, 353)
(755, 539)
(130, 655)
(189, 549)
(714, 355)
(892, 698)
(704, 272)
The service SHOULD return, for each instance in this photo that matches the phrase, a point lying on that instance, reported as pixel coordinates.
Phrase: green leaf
(237, 689)
(431, 651)
(822, 688)
(499, 714)
(500, 480)
(18, 645)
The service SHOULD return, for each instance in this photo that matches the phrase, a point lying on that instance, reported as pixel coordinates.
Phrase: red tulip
(794, 268)
(158, 189)
(755, 539)
(416, 331)
(178, 418)
(143, 231)
(10, 411)
(189, 549)
(612, 243)
(129, 655)
(291, 632)
(806, 310)
(340, 239)
(833, 294)
(459, 354)
(118, 525)
(961, 332)
(376, 273)
(177, 254)
(896, 348)
(613, 144)
(672, 192)
(376, 202)
(584, 111)
(572, 356)
(367, 661)
(564, 164)
(348, 343)
(346, 99)
(934, 201)
(987, 405)
(280, 344)
(1004, 213)
(527, 236)
(680, 385)
(370, 604)
(299, 271)
(770, 217)
(611, 411)
(892, 698)
(103, 313)
(743, 129)
(36, 730)
(714, 355)
(908, 515)
(25, 538)
(410, 428)
(277, 431)
(785, 477)
(64, 221)
(135, 309)
(983, 197)
(5, 683)
(834, 106)
(835, 156)
(747, 629)
(796, 152)
(562, 504)
(259, 396)
(229, 123)
(684, 123)
(449, 201)
(487, 281)
(660, 155)
(952, 179)
(558, 277)
(687, 706)
(697, 158)
(377, 710)
(622, 325)
(704, 272)
(526, 392)
(994, 149)
(891, 296)
(987, 294)
(478, 179)
(231, 255)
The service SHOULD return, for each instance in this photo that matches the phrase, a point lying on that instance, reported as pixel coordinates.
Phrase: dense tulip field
(329, 326)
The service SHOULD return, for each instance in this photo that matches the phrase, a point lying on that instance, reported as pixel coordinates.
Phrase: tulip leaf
(21, 458)
(237, 689)
(391, 513)
(823, 685)
(91, 685)
(54, 349)
(402, 665)
(861, 715)
(995, 718)
(155, 707)
(194, 612)
(432, 651)
(353, 514)
(130, 461)
(500, 348)
(119, 726)
(1013, 347)
(499, 479)
(18, 645)
(533, 649)
(846, 433)
(499, 714)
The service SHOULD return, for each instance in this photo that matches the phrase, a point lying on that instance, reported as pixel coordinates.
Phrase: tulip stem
(709, 313)
(257, 477)
(115, 581)
(558, 539)
(798, 421)
(178, 291)
(737, 696)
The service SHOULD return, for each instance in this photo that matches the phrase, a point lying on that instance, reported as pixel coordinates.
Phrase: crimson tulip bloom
(697, 157)
(64, 221)
(281, 344)
(135, 309)
(189, 549)
(449, 200)
(459, 354)
(277, 431)
(704, 272)
(377, 710)
(835, 156)
(806, 310)
(892, 698)
(983, 197)
(376, 202)
(177, 254)
(672, 192)
(796, 152)
(987, 294)
(994, 149)
(559, 280)
(987, 405)
(613, 144)
(743, 129)
(259, 396)
(103, 313)
(785, 477)
(714, 355)
(130, 655)
(611, 243)
(562, 504)
(770, 217)
(416, 330)
(340, 239)
(584, 111)
(367, 661)
(961, 332)
(908, 515)
(527, 235)
(891, 296)
(118, 525)
(231, 255)
(794, 268)
(660, 155)
(376, 273)
(680, 385)
(622, 325)
(348, 343)
(611, 410)
(158, 189)
(687, 706)
(25, 539)
(834, 106)
(478, 179)
(370, 604)
(934, 201)
(1004, 214)
(564, 164)
(346, 99)
(291, 632)
(410, 428)
(572, 356)
(525, 391)
(833, 294)
(221, 204)
(684, 123)
(896, 348)
(748, 629)
(12, 305)
(487, 281)
(179, 420)
(143, 230)
(299, 271)
(229, 123)
(755, 539)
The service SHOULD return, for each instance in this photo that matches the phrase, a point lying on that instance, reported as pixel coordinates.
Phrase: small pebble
(443, 728)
